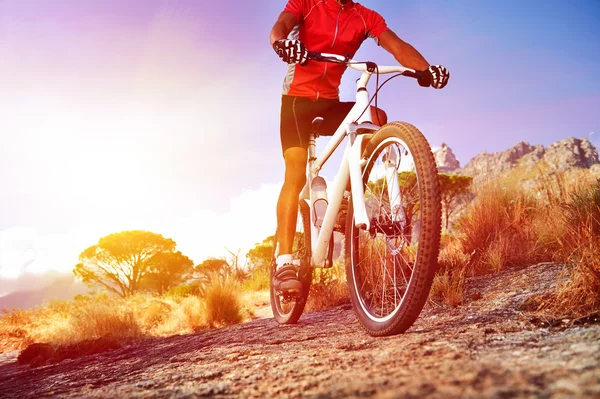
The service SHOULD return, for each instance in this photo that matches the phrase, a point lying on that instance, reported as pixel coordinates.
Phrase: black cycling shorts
(297, 114)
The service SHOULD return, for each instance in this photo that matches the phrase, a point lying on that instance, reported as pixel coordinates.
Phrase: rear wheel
(390, 267)
(288, 309)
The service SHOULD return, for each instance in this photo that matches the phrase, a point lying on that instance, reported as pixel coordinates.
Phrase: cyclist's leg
(296, 118)
(297, 114)
(287, 205)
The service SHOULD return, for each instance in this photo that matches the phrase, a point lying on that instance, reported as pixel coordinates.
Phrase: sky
(163, 115)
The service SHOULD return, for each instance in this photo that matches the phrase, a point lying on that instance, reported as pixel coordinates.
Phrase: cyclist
(310, 89)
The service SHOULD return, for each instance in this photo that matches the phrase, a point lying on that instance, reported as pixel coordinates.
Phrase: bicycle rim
(392, 264)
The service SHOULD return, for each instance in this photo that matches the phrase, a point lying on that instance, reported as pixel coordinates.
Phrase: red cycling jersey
(328, 27)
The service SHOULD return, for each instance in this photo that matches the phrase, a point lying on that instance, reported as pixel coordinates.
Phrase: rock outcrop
(571, 153)
(559, 156)
(445, 159)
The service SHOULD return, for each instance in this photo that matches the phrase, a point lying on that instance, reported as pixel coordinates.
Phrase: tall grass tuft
(95, 319)
(580, 249)
(329, 289)
(448, 283)
(222, 301)
(496, 231)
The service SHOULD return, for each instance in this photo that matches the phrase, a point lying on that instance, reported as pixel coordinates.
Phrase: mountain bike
(393, 223)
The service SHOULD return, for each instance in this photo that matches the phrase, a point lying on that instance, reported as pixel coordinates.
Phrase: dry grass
(259, 280)
(448, 283)
(497, 230)
(329, 289)
(85, 318)
(578, 244)
(222, 303)
(557, 220)
(449, 287)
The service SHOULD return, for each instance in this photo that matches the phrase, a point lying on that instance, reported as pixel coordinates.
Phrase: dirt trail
(487, 348)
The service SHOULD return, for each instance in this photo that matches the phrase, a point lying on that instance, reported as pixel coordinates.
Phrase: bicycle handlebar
(362, 66)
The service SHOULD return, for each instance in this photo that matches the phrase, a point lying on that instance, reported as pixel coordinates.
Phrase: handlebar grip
(314, 55)
(413, 74)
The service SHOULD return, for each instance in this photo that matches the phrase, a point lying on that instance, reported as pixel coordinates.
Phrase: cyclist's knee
(295, 177)
(295, 167)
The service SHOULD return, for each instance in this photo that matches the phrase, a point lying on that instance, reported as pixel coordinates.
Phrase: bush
(259, 280)
(184, 290)
(222, 302)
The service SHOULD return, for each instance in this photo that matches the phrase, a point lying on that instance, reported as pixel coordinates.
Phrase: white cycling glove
(435, 76)
(291, 51)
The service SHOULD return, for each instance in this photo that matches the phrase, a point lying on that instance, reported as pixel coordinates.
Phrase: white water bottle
(318, 190)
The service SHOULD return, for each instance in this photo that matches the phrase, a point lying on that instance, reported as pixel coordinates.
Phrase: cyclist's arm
(283, 26)
(403, 52)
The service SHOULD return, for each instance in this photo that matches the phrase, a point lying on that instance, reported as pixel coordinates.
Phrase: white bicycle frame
(351, 166)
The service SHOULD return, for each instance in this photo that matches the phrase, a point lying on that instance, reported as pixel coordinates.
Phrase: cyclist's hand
(435, 76)
(291, 51)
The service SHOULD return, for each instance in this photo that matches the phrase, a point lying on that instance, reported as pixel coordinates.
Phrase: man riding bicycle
(310, 89)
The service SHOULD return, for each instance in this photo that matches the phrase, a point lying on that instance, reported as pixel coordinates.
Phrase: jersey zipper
(337, 23)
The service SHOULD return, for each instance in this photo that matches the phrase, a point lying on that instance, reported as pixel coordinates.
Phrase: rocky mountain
(64, 288)
(559, 156)
(445, 159)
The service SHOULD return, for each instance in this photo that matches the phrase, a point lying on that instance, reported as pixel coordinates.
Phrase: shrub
(259, 280)
(222, 301)
(184, 290)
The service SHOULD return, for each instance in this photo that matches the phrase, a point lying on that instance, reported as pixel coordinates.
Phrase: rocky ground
(494, 346)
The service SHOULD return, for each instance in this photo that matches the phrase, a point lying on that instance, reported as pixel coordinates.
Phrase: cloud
(25, 251)
(200, 234)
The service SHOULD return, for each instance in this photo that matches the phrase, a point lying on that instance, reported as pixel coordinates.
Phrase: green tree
(166, 270)
(259, 257)
(212, 266)
(121, 261)
(454, 189)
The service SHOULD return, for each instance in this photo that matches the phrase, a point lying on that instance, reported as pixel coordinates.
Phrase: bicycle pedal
(287, 297)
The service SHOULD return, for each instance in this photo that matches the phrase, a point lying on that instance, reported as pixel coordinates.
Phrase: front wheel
(288, 309)
(390, 266)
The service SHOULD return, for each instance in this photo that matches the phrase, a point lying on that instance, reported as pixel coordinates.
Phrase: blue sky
(163, 115)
